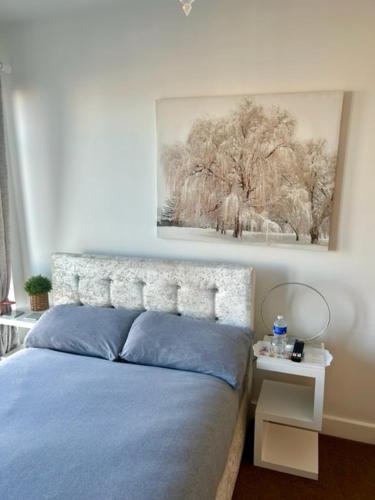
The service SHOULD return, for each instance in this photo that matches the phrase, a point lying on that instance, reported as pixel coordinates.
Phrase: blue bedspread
(77, 428)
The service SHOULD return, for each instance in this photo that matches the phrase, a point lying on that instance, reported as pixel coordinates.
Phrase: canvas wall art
(257, 170)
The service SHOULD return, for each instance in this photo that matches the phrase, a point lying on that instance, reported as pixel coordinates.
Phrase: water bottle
(278, 341)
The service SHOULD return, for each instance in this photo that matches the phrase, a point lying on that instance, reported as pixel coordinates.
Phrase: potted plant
(37, 287)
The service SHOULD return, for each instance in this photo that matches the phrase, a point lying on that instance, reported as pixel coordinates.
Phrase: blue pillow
(183, 343)
(91, 331)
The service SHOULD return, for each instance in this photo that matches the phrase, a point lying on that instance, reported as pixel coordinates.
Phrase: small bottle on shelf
(279, 339)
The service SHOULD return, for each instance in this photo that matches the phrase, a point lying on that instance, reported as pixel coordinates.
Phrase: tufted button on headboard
(220, 292)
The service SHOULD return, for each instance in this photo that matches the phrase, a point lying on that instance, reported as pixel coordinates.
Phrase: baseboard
(346, 428)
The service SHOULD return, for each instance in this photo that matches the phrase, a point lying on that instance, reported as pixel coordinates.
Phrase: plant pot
(39, 302)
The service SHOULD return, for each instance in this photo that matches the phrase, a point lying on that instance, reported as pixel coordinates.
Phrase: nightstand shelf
(22, 320)
(290, 449)
(287, 404)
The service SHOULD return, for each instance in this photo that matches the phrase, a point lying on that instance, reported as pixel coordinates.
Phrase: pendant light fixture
(187, 5)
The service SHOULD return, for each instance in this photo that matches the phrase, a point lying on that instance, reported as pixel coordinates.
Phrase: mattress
(84, 428)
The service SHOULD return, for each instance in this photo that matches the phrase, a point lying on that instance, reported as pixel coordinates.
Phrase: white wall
(83, 93)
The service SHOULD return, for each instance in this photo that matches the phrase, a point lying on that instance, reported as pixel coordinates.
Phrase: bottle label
(279, 330)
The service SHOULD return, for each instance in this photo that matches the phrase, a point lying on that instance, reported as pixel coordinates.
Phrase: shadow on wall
(267, 276)
(344, 130)
(340, 394)
(37, 124)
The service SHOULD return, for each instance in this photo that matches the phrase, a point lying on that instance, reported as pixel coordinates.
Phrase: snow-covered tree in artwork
(318, 176)
(247, 170)
(290, 209)
(169, 215)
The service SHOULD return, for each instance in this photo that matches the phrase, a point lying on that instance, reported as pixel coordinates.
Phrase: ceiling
(18, 10)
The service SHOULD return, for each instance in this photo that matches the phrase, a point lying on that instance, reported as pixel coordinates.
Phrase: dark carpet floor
(346, 472)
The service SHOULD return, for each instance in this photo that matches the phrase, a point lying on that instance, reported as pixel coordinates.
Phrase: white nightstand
(26, 319)
(288, 417)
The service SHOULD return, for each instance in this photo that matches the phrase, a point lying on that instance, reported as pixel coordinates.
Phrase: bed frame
(219, 292)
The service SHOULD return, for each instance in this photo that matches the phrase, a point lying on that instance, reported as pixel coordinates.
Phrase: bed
(77, 427)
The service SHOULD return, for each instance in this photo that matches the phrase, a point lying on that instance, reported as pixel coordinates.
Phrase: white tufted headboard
(220, 292)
